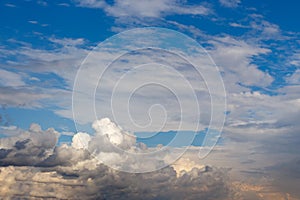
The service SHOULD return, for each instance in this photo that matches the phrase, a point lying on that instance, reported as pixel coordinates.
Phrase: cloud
(103, 183)
(29, 147)
(10, 79)
(250, 112)
(233, 24)
(145, 9)
(81, 140)
(21, 97)
(234, 57)
(294, 78)
(230, 3)
(34, 167)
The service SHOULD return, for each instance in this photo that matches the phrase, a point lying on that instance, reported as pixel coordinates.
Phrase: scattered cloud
(147, 9)
(230, 3)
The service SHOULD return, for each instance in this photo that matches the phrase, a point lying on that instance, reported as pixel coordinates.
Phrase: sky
(118, 99)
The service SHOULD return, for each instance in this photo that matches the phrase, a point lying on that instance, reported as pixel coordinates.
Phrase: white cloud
(10, 79)
(294, 78)
(295, 59)
(230, 3)
(144, 8)
(233, 24)
(234, 57)
(81, 140)
(22, 97)
(68, 41)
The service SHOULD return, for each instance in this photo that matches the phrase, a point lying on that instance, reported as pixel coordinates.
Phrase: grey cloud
(29, 147)
(24, 97)
(33, 167)
(103, 183)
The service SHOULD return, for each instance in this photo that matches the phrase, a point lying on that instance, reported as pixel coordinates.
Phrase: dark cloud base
(32, 166)
(104, 183)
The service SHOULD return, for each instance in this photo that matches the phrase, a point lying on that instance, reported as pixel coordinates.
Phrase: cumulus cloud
(29, 147)
(34, 167)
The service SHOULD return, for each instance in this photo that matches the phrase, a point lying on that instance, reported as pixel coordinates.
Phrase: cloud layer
(34, 167)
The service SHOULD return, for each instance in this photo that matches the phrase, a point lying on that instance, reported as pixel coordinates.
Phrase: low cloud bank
(32, 166)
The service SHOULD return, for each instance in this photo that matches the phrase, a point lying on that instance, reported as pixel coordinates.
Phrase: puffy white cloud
(81, 140)
(115, 134)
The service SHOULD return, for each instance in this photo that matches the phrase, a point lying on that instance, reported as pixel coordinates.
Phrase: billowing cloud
(29, 147)
(33, 167)
(102, 183)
